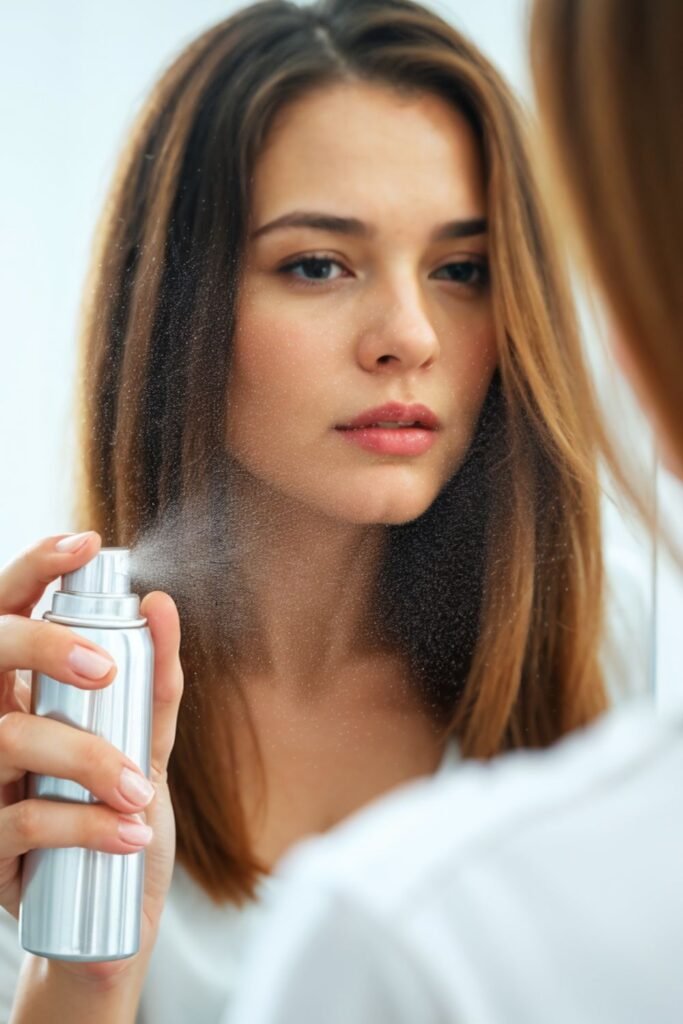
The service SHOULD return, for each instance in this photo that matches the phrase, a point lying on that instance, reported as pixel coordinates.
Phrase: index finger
(164, 624)
(23, 580)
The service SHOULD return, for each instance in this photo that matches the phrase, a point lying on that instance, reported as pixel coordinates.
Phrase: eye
(314, 268)
(470, 273)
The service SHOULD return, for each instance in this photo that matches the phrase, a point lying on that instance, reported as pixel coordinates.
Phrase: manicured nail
(134, 833)
(88, 663)
(74, 542)
(136, 787)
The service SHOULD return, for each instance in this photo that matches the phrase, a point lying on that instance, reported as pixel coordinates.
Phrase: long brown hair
(609, 81)
(520, 605)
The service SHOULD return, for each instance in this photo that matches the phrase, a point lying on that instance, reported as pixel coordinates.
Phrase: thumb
(164, 624)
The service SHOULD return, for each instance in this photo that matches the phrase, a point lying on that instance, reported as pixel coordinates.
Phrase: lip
(395, 412)
(363, 430)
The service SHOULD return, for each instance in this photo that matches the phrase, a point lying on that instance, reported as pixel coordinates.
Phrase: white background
(72, 75)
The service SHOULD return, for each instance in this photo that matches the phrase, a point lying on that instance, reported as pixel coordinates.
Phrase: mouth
(394, 416)
(393, 429)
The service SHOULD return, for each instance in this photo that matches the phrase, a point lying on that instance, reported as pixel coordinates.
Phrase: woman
(546, 886)
(376, 461)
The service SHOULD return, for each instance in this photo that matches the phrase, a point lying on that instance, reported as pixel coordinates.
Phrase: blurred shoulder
(399, 850)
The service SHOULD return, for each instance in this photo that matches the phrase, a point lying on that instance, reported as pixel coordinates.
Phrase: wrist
(100, 979)
(107, 992)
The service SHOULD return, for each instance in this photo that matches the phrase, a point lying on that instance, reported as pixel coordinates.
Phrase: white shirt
(195, 964)
(542, 888)
(197, 960)
(198, 957)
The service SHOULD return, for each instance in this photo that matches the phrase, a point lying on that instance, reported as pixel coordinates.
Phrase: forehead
(369, 148)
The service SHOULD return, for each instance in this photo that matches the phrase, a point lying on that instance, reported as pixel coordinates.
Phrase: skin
(332, 322)
(392, 314)
(406, 315)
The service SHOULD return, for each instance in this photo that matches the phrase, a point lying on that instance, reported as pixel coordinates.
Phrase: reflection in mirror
(332, 393)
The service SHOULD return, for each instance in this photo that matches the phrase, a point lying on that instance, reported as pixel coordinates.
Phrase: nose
(399, 335)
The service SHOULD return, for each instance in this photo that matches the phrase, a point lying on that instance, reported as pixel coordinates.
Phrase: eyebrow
(359, 229)
(461, 229)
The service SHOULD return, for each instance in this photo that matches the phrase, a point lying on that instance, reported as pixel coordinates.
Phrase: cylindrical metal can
(80, 904)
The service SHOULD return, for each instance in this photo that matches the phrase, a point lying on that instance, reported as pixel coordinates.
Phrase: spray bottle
(79, 904)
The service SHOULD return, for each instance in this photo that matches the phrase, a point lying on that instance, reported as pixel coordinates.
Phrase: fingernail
(134, 833)
(136, 787)
(89, 664)
(74, 542)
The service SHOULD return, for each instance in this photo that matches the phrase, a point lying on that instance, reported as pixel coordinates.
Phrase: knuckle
(94, 751)
(95, 755)
(158, 774)
(88, 825)
(12, 727)
(41, 640)
(8, 625)
(27, 819)
(96, 826)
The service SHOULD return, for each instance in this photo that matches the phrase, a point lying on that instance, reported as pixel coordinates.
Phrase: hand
(29, 743)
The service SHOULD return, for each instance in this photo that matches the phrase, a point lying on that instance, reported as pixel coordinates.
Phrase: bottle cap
(107, 573)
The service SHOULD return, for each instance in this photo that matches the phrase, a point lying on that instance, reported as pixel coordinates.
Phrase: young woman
(330, 344)
(547, 886)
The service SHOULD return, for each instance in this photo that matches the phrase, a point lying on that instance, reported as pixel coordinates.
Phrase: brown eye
(472, 273)
(314, 268)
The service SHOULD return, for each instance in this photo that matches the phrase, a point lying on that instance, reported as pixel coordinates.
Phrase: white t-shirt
(542, 887)
(200, 948)
(198, 956)
(195, 963)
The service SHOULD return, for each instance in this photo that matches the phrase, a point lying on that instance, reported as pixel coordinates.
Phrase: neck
(309, 583)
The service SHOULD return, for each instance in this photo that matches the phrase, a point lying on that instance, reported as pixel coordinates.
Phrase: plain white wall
(72, 76)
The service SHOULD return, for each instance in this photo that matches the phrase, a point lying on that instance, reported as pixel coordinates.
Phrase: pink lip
(414, 440)
(394, 412)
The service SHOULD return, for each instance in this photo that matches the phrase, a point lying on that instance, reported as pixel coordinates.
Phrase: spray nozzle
(107, 573)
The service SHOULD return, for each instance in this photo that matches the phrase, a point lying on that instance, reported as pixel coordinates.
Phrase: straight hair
(495, 594)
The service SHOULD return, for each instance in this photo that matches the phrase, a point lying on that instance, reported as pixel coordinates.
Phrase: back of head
(609, 81)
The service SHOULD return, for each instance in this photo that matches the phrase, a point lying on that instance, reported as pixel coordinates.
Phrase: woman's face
(364, 344)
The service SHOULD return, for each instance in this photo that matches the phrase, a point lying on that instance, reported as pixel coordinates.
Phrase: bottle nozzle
(107, 573)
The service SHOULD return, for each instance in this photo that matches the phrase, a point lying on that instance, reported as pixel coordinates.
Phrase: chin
(388, 495)
(387, 504)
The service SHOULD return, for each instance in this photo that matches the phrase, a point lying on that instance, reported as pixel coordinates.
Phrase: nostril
(385, 359)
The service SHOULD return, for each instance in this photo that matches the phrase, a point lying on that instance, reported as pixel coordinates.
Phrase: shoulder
(493, 892)
(399, 851)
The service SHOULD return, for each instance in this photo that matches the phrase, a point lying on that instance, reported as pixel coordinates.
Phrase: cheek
(470, 361)
(484, 355)
(275, 362)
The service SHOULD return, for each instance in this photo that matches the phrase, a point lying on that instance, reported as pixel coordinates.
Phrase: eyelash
(288, 269)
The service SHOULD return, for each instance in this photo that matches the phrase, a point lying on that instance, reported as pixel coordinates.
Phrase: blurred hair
(495, 594)
(609, 83)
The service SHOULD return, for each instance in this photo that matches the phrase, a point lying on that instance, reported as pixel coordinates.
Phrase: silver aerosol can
(80, 904)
